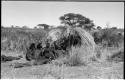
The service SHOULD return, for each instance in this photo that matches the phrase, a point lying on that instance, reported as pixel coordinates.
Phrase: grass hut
(79, 43)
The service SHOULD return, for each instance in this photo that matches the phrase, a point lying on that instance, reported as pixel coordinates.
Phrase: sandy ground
(94, 70)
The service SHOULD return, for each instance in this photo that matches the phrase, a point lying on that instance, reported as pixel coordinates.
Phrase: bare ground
(94, 70)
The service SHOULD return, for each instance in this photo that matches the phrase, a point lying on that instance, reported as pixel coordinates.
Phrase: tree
(12, 26)
(25, 27)
(76, 20)
(43, 25)
(114, 27)
(51, 27)
(2, 26)
(35, 27)
(108, 25)
(17, 26)
(99, 28)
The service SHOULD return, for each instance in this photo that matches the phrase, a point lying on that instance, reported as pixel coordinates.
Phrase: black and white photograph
(62, 39)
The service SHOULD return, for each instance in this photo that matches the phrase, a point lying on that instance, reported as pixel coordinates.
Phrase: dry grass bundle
(87, 39)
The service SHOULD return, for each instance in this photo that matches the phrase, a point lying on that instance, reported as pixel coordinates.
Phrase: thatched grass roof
(76, 37)
(59, 33)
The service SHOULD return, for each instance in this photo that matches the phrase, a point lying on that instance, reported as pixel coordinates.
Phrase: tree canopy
(76, 20)
(99, 28)
(43, 25)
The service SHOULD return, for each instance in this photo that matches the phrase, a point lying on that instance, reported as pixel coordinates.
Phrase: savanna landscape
(76, 50)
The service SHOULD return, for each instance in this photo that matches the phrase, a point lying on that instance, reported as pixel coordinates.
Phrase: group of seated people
(49, 51)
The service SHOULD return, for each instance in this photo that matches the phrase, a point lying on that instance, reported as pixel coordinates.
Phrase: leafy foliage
(44, 25)
(76, 20)
(109, 37)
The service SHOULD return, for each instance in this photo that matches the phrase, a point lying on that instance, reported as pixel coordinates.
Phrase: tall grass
(18, 40)
(107, 54)
(77, 57)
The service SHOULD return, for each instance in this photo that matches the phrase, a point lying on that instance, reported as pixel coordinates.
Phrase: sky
(32, 13)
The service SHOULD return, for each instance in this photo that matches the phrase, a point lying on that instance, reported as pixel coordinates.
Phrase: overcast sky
(31, 13)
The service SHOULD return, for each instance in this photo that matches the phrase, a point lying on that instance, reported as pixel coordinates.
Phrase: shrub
(108, 37)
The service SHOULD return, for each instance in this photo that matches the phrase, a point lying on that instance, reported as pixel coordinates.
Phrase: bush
(109, 37)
